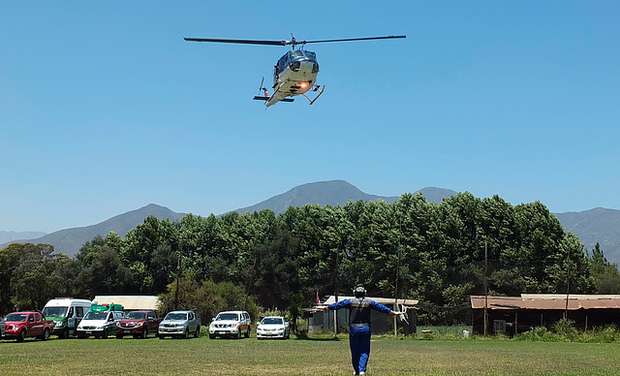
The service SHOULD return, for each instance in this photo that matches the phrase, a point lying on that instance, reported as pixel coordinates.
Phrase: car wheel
(21, 336)
(161, 336)
(186, 335)
(197, 332)
(239, 334)
(211, 336)
(145, 333)
(46, 335)
(247, 333)
(64, 334)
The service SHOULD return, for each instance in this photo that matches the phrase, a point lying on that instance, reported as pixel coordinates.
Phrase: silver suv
(179, 324)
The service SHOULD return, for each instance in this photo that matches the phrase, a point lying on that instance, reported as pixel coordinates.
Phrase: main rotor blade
(240, 41)
(350, 39)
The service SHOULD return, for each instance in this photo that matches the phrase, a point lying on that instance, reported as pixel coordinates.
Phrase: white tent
(130, 302)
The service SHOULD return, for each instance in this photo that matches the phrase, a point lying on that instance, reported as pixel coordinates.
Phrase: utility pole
(568, 277)
(336, 291)
(397, 276)
(486, 287)
(176, 292)
(396, 289)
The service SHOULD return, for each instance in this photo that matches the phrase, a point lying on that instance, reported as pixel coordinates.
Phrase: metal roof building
(515, 314)
(130, 302)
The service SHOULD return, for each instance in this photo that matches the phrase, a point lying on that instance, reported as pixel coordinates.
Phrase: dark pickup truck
(138, 324)
(22, 325)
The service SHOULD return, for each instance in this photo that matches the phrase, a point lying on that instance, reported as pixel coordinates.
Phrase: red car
(138, 324)
(20, 325)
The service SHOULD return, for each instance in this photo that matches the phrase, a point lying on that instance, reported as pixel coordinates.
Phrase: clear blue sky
(104, 108)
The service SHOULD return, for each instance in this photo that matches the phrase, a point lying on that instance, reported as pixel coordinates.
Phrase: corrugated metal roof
(547, 302)
(129, 302)
(496, 302)
(575, 301)
(570, 296)
(407, 302)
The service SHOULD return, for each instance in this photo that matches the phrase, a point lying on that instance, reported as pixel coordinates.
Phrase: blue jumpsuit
(359, 328)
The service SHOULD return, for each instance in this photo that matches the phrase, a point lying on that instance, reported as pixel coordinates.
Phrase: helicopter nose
(307, 66)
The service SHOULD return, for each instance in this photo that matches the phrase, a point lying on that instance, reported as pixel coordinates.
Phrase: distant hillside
(9, 236)
(334, 193)
(596, 225)
(70, 240)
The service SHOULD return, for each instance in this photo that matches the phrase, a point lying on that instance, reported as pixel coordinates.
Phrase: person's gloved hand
(402, 317)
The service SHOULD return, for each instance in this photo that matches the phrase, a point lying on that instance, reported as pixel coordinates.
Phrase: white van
(66, 313)
(99, 324)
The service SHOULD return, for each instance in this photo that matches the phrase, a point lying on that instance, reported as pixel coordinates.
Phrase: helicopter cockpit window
(282, 63)
(310, 55)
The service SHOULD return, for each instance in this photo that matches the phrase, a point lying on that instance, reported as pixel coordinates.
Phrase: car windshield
(16, 317)
(136, 315)
(272, 321)
(54, 311)
(96, 315)
(176, 316)
(227, 316)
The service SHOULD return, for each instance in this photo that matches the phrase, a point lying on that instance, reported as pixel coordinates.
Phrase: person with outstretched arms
(359, 325)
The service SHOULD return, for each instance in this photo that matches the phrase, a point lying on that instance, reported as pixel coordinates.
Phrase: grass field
(304, 357)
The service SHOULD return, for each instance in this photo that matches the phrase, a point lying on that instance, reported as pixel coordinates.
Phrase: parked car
(1, 327)
(21, 325)
(179, 324)
(66, 313)
(138, 324)
(273, 327)
(230, 324)
(99, 324)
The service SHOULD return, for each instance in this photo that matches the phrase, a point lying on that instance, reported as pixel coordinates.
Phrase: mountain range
(9, 236)
(70, 240)
(595, 225)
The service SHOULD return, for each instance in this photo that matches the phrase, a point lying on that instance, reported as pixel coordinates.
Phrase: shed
(515, 314)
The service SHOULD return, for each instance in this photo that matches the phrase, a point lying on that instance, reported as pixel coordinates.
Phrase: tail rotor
(263, 93)
(262, 90)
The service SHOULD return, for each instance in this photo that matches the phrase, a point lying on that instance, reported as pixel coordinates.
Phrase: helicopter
(295, 72)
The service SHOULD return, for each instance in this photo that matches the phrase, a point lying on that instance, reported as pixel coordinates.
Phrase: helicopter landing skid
(264, 98)
(319, 91)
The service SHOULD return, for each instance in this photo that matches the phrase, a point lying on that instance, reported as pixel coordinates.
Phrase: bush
(539, 333)
(564, 330)
(605, 334)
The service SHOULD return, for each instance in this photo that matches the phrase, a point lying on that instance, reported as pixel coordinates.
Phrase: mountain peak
(326, 186)
(153, 206)
(333, 193)
(70, 240)
(436, 194)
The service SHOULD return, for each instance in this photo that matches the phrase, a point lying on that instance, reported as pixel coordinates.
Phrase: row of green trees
(409, 248)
